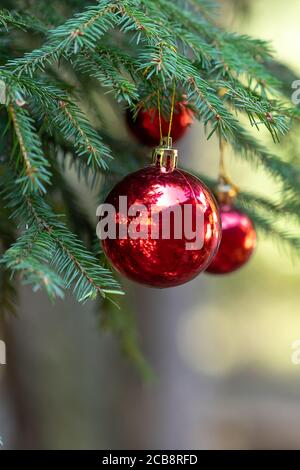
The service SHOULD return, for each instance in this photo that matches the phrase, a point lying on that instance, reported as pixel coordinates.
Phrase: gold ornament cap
(165, 156)
(226, 191)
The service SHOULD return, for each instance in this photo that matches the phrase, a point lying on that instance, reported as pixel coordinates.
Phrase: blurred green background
(220, 347)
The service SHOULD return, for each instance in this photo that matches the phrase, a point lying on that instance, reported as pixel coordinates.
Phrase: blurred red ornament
(238, 241)
(158, 261)
(146, 125)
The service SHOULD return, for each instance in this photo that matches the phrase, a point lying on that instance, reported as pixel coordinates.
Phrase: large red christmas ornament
(146, 125)
(161, 256)
(238, 241)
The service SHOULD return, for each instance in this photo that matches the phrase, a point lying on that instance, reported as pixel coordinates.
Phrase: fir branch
(259, 110)
(265, 213)
(147, 25)
(83, 30)
(248, 147)
(279, 209)
(24, 22)
(210, 107)
(72, 124)
(257, 48)
(61, 114)
(206, 8)
(189, 19)
(267, 226)
(30, 161)
(71, 260)
(41, 89)
(28, 256)
(226, 46)
(106, 68)
(78, 220)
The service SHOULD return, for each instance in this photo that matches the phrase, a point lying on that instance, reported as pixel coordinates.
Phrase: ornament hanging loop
(171, 115)
(165, 156)
(226, 189)
(172, 109)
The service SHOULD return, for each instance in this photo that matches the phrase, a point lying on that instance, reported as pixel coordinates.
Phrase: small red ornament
(146, 125)
(238, 241)
(156, 260)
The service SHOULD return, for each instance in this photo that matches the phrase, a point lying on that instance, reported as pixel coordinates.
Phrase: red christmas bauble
(163, 258)
(146, 125)
(238, 241)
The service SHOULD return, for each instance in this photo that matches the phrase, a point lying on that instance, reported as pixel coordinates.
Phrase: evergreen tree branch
(61, 114)
(267, 226)
(77, 266)
(102, 66)
(28, 257)
(74, 127)
(33, 167)
(78, 220)
(266, 214)
(24, 22)
(248, 147)
(84, 29)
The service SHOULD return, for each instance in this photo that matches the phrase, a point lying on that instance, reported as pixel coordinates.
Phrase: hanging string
(159, 115)
(172, 110)
(224, 178)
